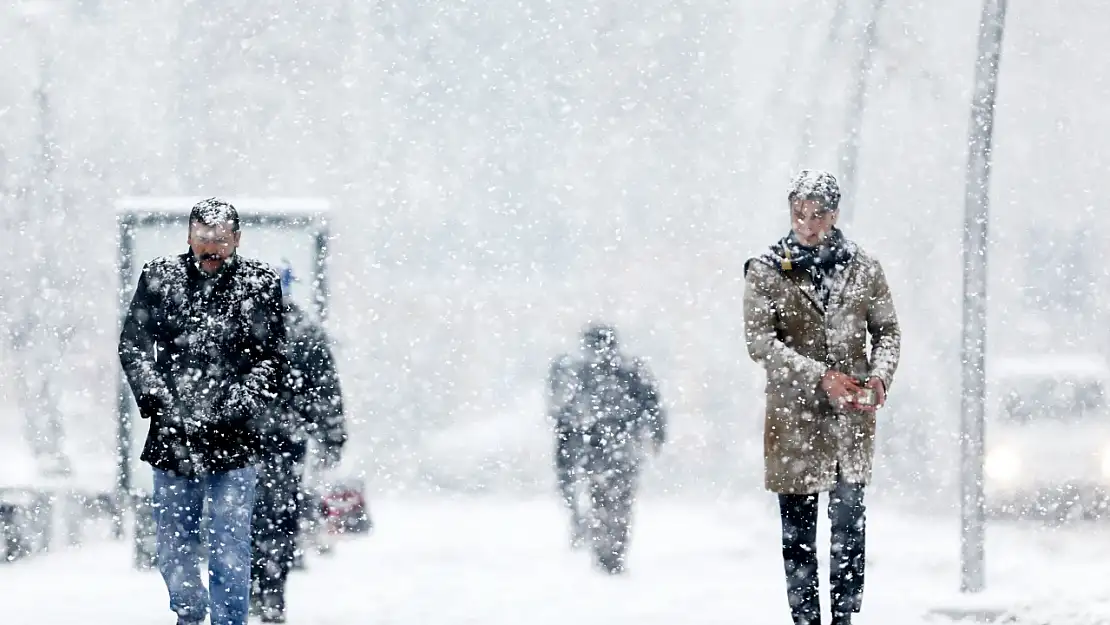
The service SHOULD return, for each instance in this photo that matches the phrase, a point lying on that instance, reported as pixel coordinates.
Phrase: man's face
(810, 221)
(212, 246)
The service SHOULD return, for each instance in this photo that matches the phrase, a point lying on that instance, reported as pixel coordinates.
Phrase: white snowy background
(501, 172)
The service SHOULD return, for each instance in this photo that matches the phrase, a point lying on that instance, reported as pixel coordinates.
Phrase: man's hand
(151, 405)
(840, 387)
(241, 404)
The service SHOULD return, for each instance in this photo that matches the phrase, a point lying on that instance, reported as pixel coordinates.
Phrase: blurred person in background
(561, 388)
(310, 405)
(617, 416)
(810, 304)
(202, 347)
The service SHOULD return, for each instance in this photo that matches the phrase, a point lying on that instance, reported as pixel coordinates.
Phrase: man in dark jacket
(202, 348)
(616, 407)
(311, 405)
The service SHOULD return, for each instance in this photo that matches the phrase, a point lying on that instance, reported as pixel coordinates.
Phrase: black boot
(611, 563)
(254, 606)
(273, 607)
(841, 619)
(577, 538)
(579, 531)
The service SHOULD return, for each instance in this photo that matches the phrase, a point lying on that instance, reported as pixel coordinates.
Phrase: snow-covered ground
(491, 561)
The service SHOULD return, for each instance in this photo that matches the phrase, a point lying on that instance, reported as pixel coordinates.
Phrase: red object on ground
(345, 510)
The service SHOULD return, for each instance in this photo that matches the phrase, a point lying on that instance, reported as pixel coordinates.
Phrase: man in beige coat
(811, 303)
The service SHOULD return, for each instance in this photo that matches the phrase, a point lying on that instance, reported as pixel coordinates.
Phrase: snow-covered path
(491, 561)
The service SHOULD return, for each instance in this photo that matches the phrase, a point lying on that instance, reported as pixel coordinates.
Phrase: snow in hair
(215, 212)
(815, 184)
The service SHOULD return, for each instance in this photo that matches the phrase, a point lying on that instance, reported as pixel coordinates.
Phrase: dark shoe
(578, 537)
(841, 619)
(182, 621)
(612, 564)
(273, 608)
(272, 616)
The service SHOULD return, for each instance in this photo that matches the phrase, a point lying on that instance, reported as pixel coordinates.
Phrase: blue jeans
(178, 507)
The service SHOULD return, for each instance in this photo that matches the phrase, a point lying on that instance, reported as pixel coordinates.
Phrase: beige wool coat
(807, 441)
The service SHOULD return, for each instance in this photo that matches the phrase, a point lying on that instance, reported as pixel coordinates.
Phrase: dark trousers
(612, 497)
(277, 513)
(799, 552)
(568, 475)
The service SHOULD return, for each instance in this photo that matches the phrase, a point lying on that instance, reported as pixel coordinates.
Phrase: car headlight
(1003, 464)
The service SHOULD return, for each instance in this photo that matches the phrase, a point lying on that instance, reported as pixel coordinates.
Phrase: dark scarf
(821, 263)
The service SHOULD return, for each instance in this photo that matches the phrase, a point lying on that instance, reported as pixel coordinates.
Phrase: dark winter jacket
(616, 404)
(561, 385)
(311, 400)
(204, 358)
(653, 416)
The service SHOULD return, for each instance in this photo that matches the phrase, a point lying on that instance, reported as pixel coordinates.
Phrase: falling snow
(458, 188)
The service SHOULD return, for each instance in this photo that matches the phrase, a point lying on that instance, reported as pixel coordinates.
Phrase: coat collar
(802, 282)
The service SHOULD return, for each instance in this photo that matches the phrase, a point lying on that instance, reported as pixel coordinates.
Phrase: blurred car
(1048, 437)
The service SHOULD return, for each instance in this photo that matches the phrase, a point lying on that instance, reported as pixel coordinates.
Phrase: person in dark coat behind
(311, 406)
(561, 389)
(202, 347)
(617, 409)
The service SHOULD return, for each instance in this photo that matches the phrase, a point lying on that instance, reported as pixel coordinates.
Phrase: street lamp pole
(849, 154)
(973, 404)
(43, 317)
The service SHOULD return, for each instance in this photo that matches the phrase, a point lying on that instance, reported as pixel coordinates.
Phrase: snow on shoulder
(258, 274)
(168, 274)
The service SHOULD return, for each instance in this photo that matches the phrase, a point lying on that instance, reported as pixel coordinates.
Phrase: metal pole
(321, 277)
(124, 450)
(973, 534)
(818, 93)
(850, 152)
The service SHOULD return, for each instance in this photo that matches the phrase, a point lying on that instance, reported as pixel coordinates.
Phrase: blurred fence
(35, 521)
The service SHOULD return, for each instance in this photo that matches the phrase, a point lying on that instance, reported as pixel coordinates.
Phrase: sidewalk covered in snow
(492, 561)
